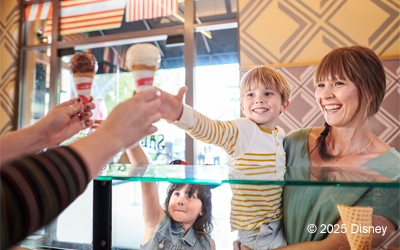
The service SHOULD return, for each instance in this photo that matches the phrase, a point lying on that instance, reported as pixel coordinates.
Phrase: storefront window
(36, 82)
(217, 85)
(217, 97)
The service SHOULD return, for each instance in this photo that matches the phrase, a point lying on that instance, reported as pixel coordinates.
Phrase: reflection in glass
(127, 205)
(215, 10)
(347, 174)
(325, 188)
(209, 174)
(35, 98)
(34, 33)
(333, 192)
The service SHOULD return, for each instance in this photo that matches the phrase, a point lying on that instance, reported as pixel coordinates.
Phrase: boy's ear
(241, 107)
(284, 106)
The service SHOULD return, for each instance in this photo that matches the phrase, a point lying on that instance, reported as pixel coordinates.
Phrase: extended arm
(223, 134)
(212, 244)
(59, 124)
(36, 189)
(219, 133)
(153, 212)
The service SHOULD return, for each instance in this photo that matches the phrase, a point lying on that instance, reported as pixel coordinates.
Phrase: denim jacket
(170, 236)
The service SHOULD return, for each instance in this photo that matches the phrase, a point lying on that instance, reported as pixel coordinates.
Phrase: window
(35, 87)
(47, 81)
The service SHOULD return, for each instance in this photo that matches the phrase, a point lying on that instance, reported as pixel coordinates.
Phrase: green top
(305, 205)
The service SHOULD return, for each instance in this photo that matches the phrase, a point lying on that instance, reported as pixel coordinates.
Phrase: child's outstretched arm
(219, 133)
(171, 107)
(153, 213)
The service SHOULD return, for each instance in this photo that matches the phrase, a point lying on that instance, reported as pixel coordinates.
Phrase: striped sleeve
(36, 189)
(223, 134)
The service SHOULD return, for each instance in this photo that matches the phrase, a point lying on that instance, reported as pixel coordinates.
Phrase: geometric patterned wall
(277, 32)
(283, 33)
(304, 112)
(9, 35)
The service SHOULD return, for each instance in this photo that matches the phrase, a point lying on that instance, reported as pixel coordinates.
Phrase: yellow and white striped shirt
(255, 154)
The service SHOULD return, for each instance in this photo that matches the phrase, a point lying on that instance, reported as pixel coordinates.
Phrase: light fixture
(213, 27)
(174, 41)
(121, 42)
(40, 36)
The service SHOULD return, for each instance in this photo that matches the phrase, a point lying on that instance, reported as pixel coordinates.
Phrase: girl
(184, 223)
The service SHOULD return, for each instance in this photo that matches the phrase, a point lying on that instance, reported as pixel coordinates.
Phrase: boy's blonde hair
(267, 77)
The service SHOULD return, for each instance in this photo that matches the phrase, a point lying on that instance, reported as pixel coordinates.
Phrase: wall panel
(293, 35)
(9, 35)
(277, 32)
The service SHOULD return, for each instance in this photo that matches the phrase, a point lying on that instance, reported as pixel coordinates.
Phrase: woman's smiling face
(338, 101)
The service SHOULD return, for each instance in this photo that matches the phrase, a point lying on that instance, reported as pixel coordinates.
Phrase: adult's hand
(125, 125)
(131, 120)
(58, 125)
(172, 105)
(64, 120)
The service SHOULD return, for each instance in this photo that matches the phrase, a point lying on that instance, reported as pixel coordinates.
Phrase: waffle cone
(353, 217)
(143, 67)
(87, 74)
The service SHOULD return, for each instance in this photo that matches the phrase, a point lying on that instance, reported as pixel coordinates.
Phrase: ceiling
(221, 48)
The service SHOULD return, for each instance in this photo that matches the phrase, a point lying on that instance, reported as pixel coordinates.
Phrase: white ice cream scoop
(143, 54)
(143, 59)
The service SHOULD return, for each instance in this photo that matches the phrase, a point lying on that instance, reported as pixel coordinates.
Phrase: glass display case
(117, 214)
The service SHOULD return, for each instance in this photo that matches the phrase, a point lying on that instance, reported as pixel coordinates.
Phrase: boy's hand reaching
(171, 107)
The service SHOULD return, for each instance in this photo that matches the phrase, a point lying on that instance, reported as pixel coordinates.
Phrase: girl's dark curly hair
(203, 224)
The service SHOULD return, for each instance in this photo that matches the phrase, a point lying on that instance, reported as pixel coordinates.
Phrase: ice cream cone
(83, 86)
(143, 79)
(87, 74)
(143, 59)
(83, 66)
(356, 219)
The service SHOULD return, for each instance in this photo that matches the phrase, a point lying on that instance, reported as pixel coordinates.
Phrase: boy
(255, 148)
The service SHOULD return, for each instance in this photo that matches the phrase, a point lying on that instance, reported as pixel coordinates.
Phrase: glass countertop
(219, 174)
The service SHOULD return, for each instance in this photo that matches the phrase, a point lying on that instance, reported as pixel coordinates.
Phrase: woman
(35, 189)
(350, 85)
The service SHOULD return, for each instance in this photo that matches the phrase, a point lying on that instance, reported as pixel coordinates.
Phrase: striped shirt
(254, 154)
(36, 189)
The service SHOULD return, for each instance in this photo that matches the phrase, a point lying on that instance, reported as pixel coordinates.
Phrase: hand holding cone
(83, 66)
(357, 217)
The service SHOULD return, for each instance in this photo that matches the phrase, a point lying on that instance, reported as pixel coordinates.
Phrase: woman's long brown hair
(361, 66)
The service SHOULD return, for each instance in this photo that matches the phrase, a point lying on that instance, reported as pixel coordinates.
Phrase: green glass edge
(46, 247)
(255, 182)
